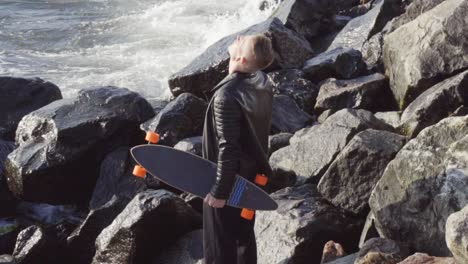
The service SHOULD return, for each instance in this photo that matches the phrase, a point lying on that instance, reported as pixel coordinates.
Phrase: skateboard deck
(193, 174)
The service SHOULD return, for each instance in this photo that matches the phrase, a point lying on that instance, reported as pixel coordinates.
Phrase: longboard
(193, 174)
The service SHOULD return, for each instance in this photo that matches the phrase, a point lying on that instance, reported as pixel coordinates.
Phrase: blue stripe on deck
(239, 188)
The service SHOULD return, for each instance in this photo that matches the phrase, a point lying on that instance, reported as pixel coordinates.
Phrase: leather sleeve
(228, 117)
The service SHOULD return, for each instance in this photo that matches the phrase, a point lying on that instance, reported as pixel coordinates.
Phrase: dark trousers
(227, 237)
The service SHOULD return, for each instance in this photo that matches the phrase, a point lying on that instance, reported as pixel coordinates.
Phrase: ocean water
(135, 44)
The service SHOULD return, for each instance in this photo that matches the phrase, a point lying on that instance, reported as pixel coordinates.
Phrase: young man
(235, 136)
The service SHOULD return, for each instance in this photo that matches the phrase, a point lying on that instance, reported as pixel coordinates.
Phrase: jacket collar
(232, 76)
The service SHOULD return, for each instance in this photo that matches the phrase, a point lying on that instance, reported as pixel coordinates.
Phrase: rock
(361, 28)
(278, 141)
(286, 116)
(150, 222)
(434, 104)
(194, 201)
(187, 250)
(368, 231)
(391, 117)
(350, 178)
(116, 178)
(297, 231)
(47, 214)
(369, 92)
(192, 145)
(422, 258)
(382, 251)
(157, 104)
(7, 201)
(291, 82)
(372, 51)
(426, 50)
(332, 251)
(456, 234)
(20, 97)
(425, 182)
(8, 232)
(312, 149)
(460, 111)
(324, 115)
(208, 69)
(180, 119)
(349, 259)
(7, 259)
(413, 10)
(80, 243)
(342, 63)
(62, 144)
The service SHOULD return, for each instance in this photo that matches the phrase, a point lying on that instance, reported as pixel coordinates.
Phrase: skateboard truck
(151, 137)
(260, 179)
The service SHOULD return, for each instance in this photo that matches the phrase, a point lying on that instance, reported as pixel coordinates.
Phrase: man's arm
(228, 116)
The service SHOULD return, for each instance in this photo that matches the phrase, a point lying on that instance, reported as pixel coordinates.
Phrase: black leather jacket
(236, 129)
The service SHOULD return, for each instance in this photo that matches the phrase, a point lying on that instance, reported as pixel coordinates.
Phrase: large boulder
(425, 182)
(381, 251)
(7, 201)
(353, 174)
(286, 116)
(414, 9)
(456, 234)
(208, 69)
(62, 144)
(181, 118)
(20, 97)
(187, 250)
(422, 258)
(422, 52)
(297, 231)
(149, 223)
(434, 104)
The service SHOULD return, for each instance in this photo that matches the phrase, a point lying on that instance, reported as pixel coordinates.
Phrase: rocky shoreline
(369, 146)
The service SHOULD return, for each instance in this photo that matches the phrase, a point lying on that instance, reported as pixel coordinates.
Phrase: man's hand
(213, 202)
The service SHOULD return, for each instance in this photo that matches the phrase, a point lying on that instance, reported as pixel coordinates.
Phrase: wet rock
(180, 119)
(422, 258)
(297, 231)
(7, 201)
(192, 145)
(21, 96)
(149, 223)
(208, 69)
(286, 116)
(434, 104)
(382, 251)
(350, 178)
(187, 250)
(434, 48)
(342, 63)
(425, 183)
(278, 141)
(62, 144)
(48, 214)
(391, 117)
(456, 234)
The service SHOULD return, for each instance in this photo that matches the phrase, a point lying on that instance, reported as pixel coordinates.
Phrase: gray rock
(324, 115)
(460, 111)
(20, 97)
(157, 104)
(208, 69)
(286, 116)
(187, 250)
(9, 230)
(391, 117)
(192, 145)
(312, 149)
(425, 182)
(388, 251)
(342, 63)
(7, 201)
(456, 234)
(368, 231)
(149, 223)
(7, 259)
(422, 52)
(434, 104)
(419, 258)
(278, 141)
(298, 229)
(47, 214)
(180, 119)
(349, 259)
(369, 92)
(350, 178)
(413, 10)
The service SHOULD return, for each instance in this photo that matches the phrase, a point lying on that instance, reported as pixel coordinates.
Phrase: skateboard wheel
(247, 214)
(152, 137)
(261, 179)
(139, 171)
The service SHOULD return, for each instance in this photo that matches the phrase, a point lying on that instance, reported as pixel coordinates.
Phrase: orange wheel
(261, 179)
(139, 171)
(152, 137)
(247, 214)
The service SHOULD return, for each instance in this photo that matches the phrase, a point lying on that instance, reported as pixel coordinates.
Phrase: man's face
(241, 50)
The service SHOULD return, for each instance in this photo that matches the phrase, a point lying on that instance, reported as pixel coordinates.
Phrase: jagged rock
(312, 149)
(7, 259)
(391, 117)
(7, 201)
(180, 119)
(413, 10)
(368, 231)
(8, 232)
(361, 28)
(80, 243)
(422, 258)
(20, 97)
(434, 104)
(425, 182)
(291, 82)
(342, 63)
(47, 214)
(192, 145)
(116, 178)
(332, 251)
(324, 115)
(208, 69)
(350, 178)
(286, 116)
(148, 224)
(187, 250)
(62, 144)
(456, 234)
(297, 231)
(357, 9)
(426, 50)
(460, 111)
(382, 251)
(278, 141)
(369, 92)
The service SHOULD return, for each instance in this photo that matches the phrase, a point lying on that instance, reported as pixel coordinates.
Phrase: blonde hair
(263, 50)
